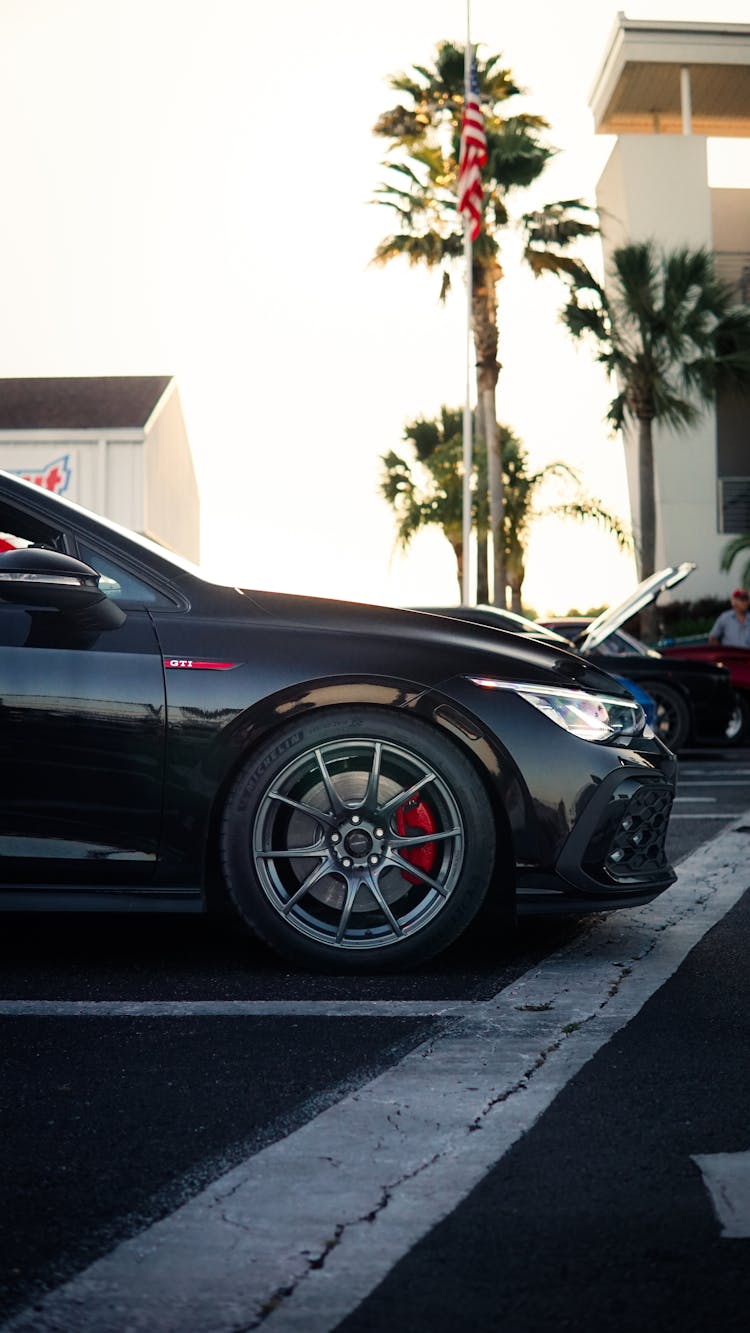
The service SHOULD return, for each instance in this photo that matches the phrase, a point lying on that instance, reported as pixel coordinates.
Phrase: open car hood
(646, 592)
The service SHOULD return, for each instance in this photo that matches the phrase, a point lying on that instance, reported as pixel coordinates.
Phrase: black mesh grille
(637, 843)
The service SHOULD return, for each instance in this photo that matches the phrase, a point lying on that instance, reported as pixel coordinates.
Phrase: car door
(82, 739)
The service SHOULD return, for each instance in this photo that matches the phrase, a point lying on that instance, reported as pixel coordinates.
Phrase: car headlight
(593, 717)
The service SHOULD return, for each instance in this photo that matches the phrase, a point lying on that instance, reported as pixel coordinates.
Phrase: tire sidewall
(264, 766)
(741, 736)
(674, 699)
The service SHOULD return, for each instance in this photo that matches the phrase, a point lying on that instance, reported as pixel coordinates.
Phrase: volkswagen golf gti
(355, 783)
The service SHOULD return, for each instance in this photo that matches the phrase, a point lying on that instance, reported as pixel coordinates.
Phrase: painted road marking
(726, 1176)
(237, 1008)
(714, 770)
(296, 1236)
(677, 815)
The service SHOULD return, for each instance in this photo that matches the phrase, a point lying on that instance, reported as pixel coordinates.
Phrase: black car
(356, 782)
(695, 701)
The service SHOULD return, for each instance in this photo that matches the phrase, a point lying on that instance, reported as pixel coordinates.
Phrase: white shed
(116, 444)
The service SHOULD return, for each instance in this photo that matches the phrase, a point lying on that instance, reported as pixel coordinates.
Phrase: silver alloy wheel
(330, 856)
(672, 714)
(738, 726)
(735, 723)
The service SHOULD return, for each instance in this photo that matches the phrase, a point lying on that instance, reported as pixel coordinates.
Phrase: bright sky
(186, 190)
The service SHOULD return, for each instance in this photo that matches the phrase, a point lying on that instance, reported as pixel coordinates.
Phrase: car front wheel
(358, 841)
(672, 714)
(738, 726)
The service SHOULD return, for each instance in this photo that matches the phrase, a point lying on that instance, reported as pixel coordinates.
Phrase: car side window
(117, 582)
(18, 530)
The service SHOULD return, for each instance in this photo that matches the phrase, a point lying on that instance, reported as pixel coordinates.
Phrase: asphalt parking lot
(114, 1115)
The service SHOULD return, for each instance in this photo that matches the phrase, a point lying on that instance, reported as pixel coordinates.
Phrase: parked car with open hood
(695, 696)
(356, 782)
(694, 700)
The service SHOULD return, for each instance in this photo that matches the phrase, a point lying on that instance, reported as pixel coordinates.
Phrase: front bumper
(615, 856)
(586, 823)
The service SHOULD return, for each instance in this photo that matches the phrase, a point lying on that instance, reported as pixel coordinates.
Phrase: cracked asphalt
(598, 1217)
(109, 1124)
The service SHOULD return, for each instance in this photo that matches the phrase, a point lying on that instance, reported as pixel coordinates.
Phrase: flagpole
(467, 440)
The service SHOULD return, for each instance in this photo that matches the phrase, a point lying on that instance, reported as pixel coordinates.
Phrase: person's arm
(716, 633)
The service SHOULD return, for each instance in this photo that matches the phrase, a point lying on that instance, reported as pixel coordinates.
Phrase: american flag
(473, 156)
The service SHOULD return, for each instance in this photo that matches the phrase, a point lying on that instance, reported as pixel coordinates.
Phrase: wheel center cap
(358, 843)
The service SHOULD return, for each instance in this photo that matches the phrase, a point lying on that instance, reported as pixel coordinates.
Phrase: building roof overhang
(98, 403)
(638, 86)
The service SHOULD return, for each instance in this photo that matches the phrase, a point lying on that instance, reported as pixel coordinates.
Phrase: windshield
(623, 644)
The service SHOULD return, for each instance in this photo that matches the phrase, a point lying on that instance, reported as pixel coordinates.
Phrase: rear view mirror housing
(34, 576)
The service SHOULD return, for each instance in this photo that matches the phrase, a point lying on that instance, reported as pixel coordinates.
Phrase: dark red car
(737, 660)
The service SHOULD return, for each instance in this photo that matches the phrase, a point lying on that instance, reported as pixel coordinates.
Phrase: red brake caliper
(416, 817)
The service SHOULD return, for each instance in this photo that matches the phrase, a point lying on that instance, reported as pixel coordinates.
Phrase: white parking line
(713, 771)
(296, 1236)
(678, 815)
(237, 1008)
(727, 1179)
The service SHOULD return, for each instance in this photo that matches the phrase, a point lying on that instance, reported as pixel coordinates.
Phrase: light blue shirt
(731, 631)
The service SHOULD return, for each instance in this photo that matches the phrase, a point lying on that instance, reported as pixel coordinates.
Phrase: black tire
(345, 787)
(673, 723)
(738, 726)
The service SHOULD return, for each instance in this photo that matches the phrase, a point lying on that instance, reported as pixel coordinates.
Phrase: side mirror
(36, 577)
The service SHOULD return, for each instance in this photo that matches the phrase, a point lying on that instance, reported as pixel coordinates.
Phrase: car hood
(646, 592)
(471, 647)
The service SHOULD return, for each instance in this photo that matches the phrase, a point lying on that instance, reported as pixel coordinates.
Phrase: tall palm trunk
(486, 273)
(515, 581)
(483, 587)
(646, 555)
(458, 551)
(482, 530)
(647, 491)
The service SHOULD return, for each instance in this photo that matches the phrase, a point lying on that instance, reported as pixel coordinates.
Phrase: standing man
(732, 627)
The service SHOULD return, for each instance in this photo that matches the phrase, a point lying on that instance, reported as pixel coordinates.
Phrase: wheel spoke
(374, 888)
(319, 872)
(371, 795)
(322, 816)
(315, 849)
(401, 797)
(401, 863)
(337, 805)
(418, 839)
(353, 887)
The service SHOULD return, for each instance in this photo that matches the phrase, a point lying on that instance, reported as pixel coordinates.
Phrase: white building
(664, 89)
(116, 444)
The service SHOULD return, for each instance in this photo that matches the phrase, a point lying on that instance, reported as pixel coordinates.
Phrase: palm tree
(423, 132)
(670, 333)
(432, 493)
(736, 547)
(435, 498)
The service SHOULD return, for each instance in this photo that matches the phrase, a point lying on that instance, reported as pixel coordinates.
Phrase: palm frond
(735, 547)
(401, 124)
(426, 248)
(548, 261)
(585, 509)
(585, 319)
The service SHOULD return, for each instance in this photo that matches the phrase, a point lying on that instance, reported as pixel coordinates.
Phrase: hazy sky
(187, 190)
